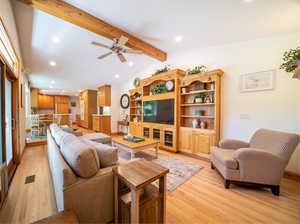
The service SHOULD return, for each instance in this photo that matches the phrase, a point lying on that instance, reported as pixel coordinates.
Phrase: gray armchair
(261, 162)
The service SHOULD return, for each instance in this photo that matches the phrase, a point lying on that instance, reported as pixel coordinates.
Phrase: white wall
(8, 19)
(278, 109)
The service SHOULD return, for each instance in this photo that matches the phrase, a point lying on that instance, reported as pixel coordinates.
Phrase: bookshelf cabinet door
(185, 141)
(200, 143)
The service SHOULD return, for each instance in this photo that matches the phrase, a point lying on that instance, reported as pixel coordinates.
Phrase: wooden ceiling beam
(76, 16)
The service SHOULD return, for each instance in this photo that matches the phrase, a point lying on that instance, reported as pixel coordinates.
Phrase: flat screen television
(159, 111)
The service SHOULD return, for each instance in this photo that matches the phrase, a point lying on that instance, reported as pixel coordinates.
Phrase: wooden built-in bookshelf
(193, 139)
(200, 118)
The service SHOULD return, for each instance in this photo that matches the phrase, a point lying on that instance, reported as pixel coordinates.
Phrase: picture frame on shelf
(258, 81)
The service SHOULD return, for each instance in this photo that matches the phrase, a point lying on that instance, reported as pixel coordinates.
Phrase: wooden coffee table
(135, 147)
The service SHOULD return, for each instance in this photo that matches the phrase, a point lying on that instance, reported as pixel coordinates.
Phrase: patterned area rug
(180, 170)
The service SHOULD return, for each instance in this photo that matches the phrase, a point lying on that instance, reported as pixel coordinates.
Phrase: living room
(201, 100)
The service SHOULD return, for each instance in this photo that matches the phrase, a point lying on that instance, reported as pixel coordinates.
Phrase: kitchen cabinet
(104, 96)
(34, 92)
(45, 101)
(88, 107)
(102, 123)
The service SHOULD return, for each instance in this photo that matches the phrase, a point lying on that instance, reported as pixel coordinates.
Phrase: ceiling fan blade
(100, 45)
(122, 58)
(131, 51)
(122, 41)
(104, 55)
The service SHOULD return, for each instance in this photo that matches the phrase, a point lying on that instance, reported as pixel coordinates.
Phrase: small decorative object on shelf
(207, 99)
(200, 112)
(184, 90)
(203, 124)
(195, 123)
(165, 69)
(137, 82)
(212, 86)
(199, 98)
(199, 86)
(197, 70)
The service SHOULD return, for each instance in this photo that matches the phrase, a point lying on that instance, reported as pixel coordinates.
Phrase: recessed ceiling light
(52, 82)
(52, 63)
(55, 39)
(130, 64)
(248, 1)
(178, 39)
(117, 76)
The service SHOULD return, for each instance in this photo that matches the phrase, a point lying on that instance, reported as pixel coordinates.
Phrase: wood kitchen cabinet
(102, 123)
(88, 107)
(34, 92)
(45, 101)
(104, 96)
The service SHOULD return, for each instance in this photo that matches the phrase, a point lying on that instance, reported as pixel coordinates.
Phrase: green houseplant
(199, 98)
(160, 88)
(196, 70)
(291, 60)
(164, 69)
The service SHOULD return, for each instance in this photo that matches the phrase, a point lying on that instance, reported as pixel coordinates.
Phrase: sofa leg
(275, 190)
(227, 184)
(212, 166)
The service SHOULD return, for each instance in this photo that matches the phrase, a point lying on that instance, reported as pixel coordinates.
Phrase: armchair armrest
(259, 166)
(233, 144)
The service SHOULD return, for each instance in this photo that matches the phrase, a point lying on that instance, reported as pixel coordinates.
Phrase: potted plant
(164, 69)
(160, 88)
(199, 98)
(197, 69)
(291, 60)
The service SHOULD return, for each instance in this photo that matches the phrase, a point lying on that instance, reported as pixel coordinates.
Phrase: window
(6, 49)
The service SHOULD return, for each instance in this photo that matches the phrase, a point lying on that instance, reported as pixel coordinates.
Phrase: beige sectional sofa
(82, 175)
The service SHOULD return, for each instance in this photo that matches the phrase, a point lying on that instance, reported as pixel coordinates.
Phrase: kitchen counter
(101, 115)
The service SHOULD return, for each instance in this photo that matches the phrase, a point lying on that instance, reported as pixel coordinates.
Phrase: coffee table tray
(134, 139)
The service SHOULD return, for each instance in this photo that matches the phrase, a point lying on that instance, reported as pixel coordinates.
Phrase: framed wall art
(258, 81)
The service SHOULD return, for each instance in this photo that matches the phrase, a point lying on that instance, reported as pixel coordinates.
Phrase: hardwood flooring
(202, 199)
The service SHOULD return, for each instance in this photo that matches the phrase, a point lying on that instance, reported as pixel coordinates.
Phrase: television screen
(159, 111)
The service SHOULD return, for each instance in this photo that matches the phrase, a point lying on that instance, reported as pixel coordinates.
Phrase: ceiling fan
(117, 48)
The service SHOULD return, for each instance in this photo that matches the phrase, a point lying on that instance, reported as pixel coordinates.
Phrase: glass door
(8, 123)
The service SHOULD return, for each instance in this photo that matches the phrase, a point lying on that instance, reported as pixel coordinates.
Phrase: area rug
(180, 170)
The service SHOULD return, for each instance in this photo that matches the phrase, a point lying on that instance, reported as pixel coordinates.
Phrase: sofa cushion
(81, 157)
(98, 137)
(225, 157)
(108, 155)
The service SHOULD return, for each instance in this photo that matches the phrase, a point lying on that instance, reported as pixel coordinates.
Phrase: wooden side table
(137, 175)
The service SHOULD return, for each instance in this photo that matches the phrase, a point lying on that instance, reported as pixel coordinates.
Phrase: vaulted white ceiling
(199, 23)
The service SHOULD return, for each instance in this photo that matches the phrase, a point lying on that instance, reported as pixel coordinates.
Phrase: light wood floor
(202, 199)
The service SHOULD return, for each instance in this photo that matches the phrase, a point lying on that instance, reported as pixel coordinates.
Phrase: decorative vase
(212, 86)
(202, 124)
(195, 123)
(207, 99)
(183, 90)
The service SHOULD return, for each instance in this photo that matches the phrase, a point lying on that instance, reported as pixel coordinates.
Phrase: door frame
(8, 74)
